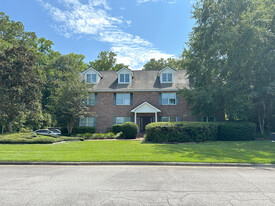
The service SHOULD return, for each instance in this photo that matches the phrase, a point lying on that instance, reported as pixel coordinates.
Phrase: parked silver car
(48, 132)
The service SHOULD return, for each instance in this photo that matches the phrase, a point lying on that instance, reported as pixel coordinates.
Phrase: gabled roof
(127, 69)
(145, 107)
(143, 81)
(91, 68)
(166, 67)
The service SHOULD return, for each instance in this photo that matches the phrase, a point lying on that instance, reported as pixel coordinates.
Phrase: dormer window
(91, 78)
(124, 78)
(167, 77)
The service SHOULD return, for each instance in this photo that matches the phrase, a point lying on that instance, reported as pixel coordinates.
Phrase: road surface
(136, 185)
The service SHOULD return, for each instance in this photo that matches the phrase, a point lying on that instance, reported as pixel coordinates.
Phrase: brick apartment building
(137, 96)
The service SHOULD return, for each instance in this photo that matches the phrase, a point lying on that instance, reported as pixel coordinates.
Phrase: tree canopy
(154, 64)
(231, 59)
(106, 62)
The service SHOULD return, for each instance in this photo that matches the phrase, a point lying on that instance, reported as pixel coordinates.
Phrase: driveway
(136, 185)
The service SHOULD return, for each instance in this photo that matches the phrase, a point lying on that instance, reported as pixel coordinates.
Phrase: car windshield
(55, 130)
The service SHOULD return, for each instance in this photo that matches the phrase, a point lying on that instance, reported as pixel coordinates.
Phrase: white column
(135, 117)
(156, 117)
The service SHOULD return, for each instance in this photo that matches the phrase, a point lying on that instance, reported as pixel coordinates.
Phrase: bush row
(21, 138)
(165, 132)
(78, 130)
(108, 135)
(128, 130)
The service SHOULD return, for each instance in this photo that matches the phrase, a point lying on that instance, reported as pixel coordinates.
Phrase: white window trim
(88, 99)
(86, 122)
(123, 120)
(169, 117)
(92, 82)
(124, 82)
(169, 99)
(123, 99)
(167, 74)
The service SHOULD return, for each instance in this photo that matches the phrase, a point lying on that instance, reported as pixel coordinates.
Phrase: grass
(241, 152)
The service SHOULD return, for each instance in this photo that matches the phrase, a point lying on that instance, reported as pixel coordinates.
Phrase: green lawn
(249, 152)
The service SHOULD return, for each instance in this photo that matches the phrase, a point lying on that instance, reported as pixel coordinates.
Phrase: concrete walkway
(136, 185)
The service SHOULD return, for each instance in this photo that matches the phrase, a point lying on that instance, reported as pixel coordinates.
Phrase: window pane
(121, 120)
(91, 122)
(121, 77)
(164, 77)
(127, 119)
(165, 119)
(173, 119)
(126, 99)
(165, 98)
(91, 99)
(119, 99)
(89, 78)
(169, 77)
(172, 98)
(94, 78)
(82, 122)
(127, 78)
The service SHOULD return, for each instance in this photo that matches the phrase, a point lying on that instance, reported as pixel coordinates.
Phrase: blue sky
(137, 30)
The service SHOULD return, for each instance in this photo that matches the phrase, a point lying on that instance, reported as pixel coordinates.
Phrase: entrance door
(144, 121)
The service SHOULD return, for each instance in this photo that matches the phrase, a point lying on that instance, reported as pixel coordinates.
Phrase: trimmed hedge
(236, 131)
(79, 130)
(35, 140)
(117, 128)
(129, 130)
(32, 138)
(168, 132)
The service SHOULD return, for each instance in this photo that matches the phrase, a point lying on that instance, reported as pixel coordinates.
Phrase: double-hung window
(87, 122)
(168, 98)
(121, 120)
(91, 78)
(123, 99)
(169, 119)
(167, 77)
(91, 99)
(124, 78)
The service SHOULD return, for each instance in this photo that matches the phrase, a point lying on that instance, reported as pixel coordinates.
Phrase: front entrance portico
(144, 109)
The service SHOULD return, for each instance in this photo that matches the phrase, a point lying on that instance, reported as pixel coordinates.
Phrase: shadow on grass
(249, 152)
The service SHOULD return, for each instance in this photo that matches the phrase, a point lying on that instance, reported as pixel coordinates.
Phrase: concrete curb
(200, 164)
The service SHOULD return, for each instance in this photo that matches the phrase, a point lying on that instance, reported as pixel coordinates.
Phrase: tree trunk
(2, 129)
(261, 116)
(10, 127)
(70, 126)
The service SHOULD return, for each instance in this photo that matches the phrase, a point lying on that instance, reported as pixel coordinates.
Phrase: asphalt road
(136, 185)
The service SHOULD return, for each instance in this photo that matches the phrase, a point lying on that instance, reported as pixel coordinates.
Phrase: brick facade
(105, 109)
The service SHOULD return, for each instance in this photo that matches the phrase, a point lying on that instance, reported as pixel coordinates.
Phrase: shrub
(83, 130)
(119, 136)
(35, 140)
(116, 128)
(109, 135)
(32, 138)
(85, 136)
(236, 131)
(129, 130)
(181, 132)
(78, 130)
(165, 132)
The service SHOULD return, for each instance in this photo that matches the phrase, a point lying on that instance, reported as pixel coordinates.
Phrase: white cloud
(94, 19)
